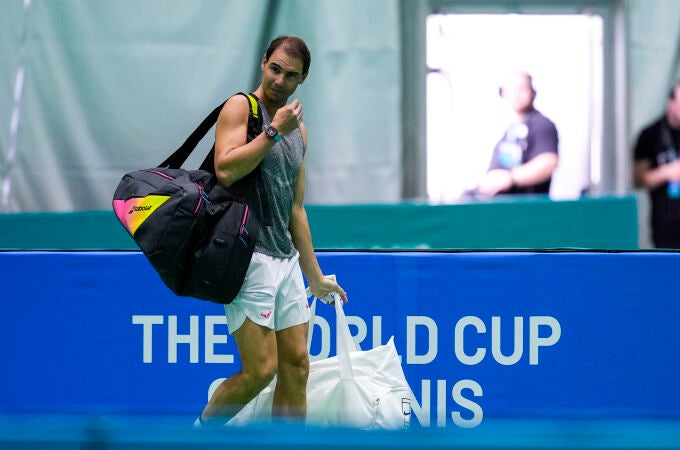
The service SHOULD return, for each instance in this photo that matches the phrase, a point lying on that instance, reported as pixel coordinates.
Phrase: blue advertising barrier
(482, 335)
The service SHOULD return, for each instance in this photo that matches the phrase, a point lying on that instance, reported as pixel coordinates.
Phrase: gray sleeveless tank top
(280, 170)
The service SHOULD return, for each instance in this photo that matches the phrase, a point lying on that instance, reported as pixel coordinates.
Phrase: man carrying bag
(269, 316)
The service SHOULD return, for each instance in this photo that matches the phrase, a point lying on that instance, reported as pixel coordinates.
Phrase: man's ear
(304, 77)
(264, 61)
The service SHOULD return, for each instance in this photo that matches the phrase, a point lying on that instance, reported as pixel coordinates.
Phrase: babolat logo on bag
(197, 235)
(133, 212)
(140, 208)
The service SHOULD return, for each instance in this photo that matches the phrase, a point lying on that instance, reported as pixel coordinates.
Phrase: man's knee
(296, 368)
(257, 378)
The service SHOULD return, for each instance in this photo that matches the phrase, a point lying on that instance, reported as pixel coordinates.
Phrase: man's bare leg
(257, 349)
(290, 395)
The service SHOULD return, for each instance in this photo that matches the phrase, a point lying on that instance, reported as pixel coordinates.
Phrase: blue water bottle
(510, 150)
(673, 189)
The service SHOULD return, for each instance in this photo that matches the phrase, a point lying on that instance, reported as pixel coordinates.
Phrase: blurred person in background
(657, 169)
(526, 156)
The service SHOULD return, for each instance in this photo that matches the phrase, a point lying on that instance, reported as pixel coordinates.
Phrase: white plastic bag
(359, 389)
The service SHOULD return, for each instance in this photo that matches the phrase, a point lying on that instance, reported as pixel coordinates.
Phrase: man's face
(673, 109)
(518, 93)
(282, 74)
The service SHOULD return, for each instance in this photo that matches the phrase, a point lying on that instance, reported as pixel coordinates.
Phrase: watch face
(270, 130)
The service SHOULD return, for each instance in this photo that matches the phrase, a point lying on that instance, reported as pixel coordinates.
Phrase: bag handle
(343, 342)
(310, 330)
(343, 338)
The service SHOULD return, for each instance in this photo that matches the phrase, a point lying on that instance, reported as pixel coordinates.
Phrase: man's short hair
(293, 46)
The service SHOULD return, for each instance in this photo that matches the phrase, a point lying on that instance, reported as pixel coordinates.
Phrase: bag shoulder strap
(251, 181)
(180, 155)
(254, 129)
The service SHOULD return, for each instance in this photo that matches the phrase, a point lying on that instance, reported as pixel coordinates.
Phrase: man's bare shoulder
(235, 107)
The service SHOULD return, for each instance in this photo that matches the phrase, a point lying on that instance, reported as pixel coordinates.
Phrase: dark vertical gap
(265, 37)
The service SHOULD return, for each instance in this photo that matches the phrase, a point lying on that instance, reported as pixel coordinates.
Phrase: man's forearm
(302, 239)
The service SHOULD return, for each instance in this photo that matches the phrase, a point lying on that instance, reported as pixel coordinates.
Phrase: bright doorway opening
(467, 56)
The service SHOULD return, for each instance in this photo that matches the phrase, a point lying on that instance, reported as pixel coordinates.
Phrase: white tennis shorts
(272, 295)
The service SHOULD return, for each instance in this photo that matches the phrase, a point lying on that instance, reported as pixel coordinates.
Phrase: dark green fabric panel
(84, 230)
(607, 223)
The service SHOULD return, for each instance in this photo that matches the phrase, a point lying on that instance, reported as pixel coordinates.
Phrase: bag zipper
(203, 197)
(243, 231)
(164, 175)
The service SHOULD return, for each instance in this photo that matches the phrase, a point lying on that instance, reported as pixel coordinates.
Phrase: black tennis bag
(198, 235)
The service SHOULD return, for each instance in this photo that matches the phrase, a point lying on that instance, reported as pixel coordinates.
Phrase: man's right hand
(288, 117)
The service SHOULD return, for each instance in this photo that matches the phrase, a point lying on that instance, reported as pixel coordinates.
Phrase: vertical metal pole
(265, 37)
(412, 17)
(16, 115)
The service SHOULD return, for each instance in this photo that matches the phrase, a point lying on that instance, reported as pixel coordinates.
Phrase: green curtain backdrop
(654, 58)
(115, 86)
(112, 86)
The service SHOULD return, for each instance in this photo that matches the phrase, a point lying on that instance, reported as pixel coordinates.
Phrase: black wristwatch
(272, 132)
